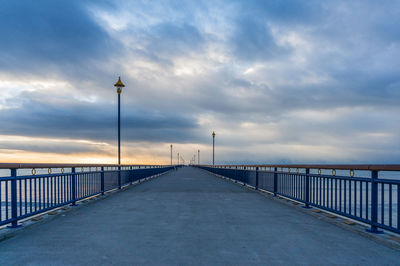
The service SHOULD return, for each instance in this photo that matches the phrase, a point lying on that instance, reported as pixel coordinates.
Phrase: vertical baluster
(390, 205)
(52, 183)
(6, 196)
(302, 189)
(59, 186)
(367, 200)
(63, 188)
(324, 192)
(355, 198)
(382, 203)
(69, 186)
(20, 196)
(340, 195)
(40, 193)
(307, 188)
(45, 192)
(350, 196)
(330, 198)
(257, 178)
(336, 194)
(318, 190)
(313, 189)
(35, 185)
(328, 192)
(102, 180)
(25, 193)
(361, 192)
(85, 185)
(119, 177)
(345, 196)
(1, 201)
(275, 181)
(73, 187)
(295, 186)
(332, 193)
(398, 206)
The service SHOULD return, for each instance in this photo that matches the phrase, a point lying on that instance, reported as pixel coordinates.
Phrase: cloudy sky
(279, 81)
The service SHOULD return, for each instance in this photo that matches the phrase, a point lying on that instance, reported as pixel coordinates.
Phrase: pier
(190, 217)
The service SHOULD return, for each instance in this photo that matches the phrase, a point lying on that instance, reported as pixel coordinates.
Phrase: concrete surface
(190, 217)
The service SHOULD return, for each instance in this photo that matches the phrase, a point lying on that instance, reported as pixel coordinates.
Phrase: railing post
(307, 188)
(102, 180)
(275, 181)
(244, 174)
(73, 190)
(139, 178)
(14, 205)
(257, 178)
(131, 174)
(119, 177)
(236, 174)
(374, 203)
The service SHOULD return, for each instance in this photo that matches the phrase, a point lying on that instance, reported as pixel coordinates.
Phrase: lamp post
(198, 157)
(171, 154)
(119, 85)
(213, 135)
(178, 158)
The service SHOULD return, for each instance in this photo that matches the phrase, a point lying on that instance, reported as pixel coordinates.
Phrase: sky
(278, 81)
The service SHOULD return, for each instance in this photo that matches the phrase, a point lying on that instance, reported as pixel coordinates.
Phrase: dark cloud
(96, 121)
(173, 39)
(55, 147)
(47, 36)
(285, 12)
(252, 40)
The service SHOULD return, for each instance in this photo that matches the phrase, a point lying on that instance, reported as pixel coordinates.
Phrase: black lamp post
(119, 85)
(213, 135)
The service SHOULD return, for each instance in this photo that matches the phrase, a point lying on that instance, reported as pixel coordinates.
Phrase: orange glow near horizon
(26, 149)
(98, 152)
(16, 156)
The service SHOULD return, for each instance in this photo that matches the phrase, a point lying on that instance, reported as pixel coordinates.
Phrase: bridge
(187, 216)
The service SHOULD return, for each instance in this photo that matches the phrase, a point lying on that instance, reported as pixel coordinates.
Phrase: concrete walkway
(190, 217)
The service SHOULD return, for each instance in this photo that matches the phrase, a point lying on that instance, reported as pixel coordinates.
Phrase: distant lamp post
(178, 158)
(198, 157)
(119, 85)
(171, 154)
(213, 135)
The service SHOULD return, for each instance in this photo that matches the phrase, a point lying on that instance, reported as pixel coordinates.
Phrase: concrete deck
(190, 217)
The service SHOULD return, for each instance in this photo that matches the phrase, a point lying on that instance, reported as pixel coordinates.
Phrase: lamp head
(119, 85)
(213, 134)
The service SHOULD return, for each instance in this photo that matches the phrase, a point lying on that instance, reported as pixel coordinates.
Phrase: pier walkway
(190, 217)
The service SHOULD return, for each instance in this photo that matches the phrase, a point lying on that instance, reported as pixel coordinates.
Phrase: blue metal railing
(371, 200)
(22, 196)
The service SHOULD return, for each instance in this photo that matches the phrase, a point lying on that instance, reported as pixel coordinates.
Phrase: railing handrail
(66, 165)
(369, 167)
